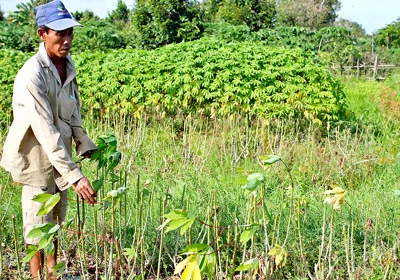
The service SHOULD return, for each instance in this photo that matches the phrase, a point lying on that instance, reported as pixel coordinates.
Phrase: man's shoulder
(31, 68)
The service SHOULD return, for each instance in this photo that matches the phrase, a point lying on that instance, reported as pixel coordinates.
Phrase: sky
(371, 14)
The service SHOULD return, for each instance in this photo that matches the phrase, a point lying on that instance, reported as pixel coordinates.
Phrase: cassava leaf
(30, 252)
(271, 159)
(49, 204)
(250, 264)
(181, 265)
(196, 248)
(42, 198)
(177, 214)
(256, 177)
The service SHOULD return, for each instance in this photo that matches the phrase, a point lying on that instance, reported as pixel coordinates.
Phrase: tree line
(150, 24)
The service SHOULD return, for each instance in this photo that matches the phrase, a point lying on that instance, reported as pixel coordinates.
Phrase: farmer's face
(57, 43)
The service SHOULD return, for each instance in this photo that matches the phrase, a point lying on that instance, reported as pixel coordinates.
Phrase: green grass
(200, 165)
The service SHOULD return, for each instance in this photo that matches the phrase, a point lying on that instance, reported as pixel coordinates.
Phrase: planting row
(205, 77)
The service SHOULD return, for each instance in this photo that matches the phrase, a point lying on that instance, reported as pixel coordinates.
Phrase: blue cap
(55, 16)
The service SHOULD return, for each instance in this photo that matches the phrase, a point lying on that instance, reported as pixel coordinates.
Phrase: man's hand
(88, 154)
(84, 190)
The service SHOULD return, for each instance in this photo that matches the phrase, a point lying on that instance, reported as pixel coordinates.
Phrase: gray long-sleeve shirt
(38, 147)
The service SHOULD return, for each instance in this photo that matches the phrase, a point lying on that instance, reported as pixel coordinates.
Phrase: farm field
(192, 187)
(255, 139)
(225, 152)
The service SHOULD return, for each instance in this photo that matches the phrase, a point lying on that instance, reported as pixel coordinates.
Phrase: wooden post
(375, 67)
(358, 67)
(364, 63)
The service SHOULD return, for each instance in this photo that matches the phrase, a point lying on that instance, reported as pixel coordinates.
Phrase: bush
(202, 77)
(97, 35)
(228, 32)
(10, 62)
(157, 23)
(18, 37)
(211, 78)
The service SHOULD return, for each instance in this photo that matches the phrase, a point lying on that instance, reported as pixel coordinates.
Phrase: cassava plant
(201, 258)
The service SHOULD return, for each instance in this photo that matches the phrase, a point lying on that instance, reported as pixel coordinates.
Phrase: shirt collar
(45, 60)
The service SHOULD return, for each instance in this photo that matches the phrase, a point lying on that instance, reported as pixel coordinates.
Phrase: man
(47, 118)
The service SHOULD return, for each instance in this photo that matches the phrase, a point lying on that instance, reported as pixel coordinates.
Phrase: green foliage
(262, 14)
(392, 55)
(98, 35)
(112, 197)
(95, 34)
(253, 181)
(249, 264)
(10, 62)
(205, 76)
(45, 232)
(307, 13)
(30, 252)
(389, 36)
(231, 12)
(48, 202)
(18, 37)
(178, 219)
(336, 45)
(130, 253)
(106, 154)
(228, 32)
(256, 14)
(25, 13)
(1, 14)
(84, 16)
(201, 260)
(119, 16)
(155, 23)
(210, 9)
(336, 42)
(387, 42)
(58, 269)
(356, 29)
(19, 31)
(211, 78)
(271, 159)
(329, 39)
(290, 37)
(363, 102)
(247, 234)
(208, 157)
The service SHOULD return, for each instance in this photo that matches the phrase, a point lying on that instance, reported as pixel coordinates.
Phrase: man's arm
(37, 104)
(33, 95)
(83, 144)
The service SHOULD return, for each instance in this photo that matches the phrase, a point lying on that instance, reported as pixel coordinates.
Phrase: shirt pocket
(66, 106)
